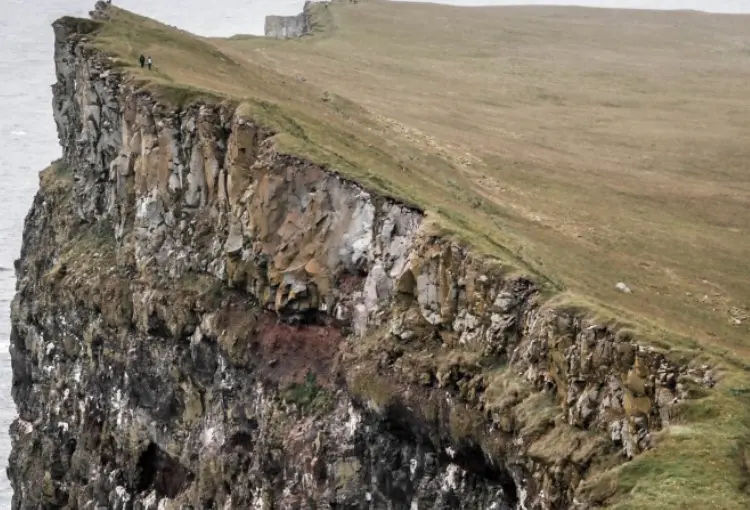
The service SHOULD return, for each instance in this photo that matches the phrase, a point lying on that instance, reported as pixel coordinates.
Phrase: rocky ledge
(204, 322)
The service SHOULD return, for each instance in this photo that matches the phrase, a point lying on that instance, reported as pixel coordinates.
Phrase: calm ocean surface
(28, 140)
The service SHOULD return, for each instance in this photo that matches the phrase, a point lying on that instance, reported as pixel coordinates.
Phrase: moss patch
(309, 396)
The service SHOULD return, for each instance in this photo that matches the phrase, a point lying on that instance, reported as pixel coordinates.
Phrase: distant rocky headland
(289, 27)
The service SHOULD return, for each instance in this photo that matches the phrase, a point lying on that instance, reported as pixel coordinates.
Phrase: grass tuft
(308, 396)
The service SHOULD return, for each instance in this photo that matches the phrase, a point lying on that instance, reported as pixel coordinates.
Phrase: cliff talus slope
(206, 320)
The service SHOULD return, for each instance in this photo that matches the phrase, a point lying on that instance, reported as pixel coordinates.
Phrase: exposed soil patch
(293, 351)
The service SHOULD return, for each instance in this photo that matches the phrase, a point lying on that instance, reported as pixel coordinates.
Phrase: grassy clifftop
(587, 147)
(599, 145)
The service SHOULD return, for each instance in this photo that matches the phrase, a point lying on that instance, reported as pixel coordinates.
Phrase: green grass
(584, 147)
(309, 396)
(700, 462)
(56, 179)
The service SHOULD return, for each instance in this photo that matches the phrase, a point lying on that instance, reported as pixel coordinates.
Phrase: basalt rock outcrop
(204, 322)
(289, 27)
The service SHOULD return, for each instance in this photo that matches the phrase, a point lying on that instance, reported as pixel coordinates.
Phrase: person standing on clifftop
(142, 60)
(149, 62)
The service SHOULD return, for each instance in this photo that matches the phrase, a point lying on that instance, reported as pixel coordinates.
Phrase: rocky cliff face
(203, 322)
(289, 27)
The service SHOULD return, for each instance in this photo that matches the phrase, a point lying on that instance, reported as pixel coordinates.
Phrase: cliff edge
(222, 302)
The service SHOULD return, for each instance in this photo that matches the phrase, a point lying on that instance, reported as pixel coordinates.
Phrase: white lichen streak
(450, 478)
(122, 493)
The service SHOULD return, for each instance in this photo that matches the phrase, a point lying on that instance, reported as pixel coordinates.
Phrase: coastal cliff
(205, 321)
(289, 27)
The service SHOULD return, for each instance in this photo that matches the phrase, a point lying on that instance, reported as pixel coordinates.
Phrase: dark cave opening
(159, 471)
(471, 458)
(405, 426)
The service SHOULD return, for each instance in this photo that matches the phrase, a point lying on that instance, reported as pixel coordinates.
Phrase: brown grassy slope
(607, 145)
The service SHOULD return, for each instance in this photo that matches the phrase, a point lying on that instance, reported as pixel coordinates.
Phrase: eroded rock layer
(203, 322)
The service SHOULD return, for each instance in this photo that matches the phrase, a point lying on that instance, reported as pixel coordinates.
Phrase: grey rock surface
(288, 27)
